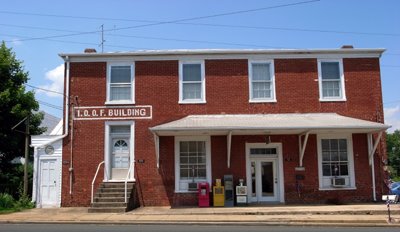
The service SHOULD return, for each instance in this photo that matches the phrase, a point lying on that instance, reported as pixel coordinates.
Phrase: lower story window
(192, 159)
(335, 162)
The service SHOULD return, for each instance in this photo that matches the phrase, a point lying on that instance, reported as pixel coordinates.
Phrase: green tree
(393, 149)
(15, 104)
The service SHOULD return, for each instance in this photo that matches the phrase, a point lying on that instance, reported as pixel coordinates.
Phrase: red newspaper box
(203, 193)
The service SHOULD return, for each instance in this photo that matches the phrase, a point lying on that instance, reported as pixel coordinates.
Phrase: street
(181, 228)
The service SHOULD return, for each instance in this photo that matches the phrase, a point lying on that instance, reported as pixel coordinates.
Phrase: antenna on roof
(102, 38)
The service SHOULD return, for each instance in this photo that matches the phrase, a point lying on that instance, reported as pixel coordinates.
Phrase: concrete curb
(337, 223)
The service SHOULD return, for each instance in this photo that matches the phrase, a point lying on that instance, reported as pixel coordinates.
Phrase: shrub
(24, 202)
(6, 201)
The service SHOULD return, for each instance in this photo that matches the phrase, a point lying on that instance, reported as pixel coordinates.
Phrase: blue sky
(281, 24)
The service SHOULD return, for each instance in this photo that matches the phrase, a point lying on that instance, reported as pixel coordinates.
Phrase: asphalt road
(180, 228)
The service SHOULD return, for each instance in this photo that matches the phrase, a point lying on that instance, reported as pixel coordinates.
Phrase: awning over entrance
(224, 124)
(267, 124)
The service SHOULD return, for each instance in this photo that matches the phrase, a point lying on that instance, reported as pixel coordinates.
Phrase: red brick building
(298, 126)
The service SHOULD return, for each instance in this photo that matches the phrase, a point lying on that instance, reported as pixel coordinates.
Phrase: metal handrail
(126, 180)
(95, 175)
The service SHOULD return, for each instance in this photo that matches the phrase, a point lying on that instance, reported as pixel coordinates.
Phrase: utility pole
(102, 38)
(27, 134)
(27, 122)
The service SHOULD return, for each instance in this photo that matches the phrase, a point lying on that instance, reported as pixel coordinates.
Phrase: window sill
(338, 189)
(262, 101)
(332, 99)
(119, 103)
(192, 102)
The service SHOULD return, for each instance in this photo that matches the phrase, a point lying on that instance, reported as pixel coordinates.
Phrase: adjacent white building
(47, 160)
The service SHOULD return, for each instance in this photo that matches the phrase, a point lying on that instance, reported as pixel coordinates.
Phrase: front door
(263, 175)
(264, 182)
(120, 158)
(48, 182)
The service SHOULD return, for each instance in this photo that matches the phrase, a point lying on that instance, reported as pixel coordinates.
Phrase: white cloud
(56, 76)
(16, 42)
(392, 117)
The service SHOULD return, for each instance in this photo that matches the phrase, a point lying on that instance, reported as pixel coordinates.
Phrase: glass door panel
(267, 179)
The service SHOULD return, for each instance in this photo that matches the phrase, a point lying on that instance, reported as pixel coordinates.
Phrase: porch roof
(292, 123)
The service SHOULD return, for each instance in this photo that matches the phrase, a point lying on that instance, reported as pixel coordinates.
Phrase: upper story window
(192, 82)
(120, 83)
(262, 81)
(331, 80)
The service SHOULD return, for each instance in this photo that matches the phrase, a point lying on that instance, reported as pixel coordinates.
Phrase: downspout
(71, 167)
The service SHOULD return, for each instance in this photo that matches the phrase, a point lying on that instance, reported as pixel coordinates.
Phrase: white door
(264, 174)
(120, 158)
(264, 181)
(48, 182)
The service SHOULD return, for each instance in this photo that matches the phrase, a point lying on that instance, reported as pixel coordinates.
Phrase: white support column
(229, 142)
(157, 148)
(35, 186)
(371, 152)
(302, 147)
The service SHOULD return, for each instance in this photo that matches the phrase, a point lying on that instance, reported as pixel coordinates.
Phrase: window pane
(120, 93)
(344, 170)
(326, 156)
(342, 144)
(201, 147)
(331, 88)
(330, 70)
(326, 170)
(120, 129)
(120, 74)
(343, 156)
(184, 147)
(261, 90)
(184, 173)
(191, 91)
(334, 156)
(261, 72)
(192, 146)
(201, 173)
(325, 144)
(334, 144)
(191, 72)
(184, 159)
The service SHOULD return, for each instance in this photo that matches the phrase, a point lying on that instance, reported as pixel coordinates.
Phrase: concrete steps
(110, 198)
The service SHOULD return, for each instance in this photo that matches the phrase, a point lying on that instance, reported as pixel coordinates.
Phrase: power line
(175, 21)
(46, 90)
(50, 105)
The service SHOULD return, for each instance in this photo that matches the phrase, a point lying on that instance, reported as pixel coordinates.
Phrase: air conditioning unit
(192, 187)
(338, 182)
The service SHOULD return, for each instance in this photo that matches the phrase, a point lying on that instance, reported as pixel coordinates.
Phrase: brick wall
(227, 91)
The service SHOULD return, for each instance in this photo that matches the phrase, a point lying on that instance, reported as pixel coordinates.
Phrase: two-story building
(298, 126)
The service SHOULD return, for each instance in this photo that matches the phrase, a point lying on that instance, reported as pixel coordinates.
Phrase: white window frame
(107, 147)
(179, 139)
(118, 102)
(272, 74)
(351, 183)
(202, 100)
(342, 96)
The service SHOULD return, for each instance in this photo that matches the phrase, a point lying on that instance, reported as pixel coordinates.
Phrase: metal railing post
(126, 180)
(94, 178)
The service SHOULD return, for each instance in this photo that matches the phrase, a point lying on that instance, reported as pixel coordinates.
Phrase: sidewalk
(318, 215)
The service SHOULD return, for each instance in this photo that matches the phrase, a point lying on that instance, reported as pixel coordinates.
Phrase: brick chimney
(90, 50)
(347, 47)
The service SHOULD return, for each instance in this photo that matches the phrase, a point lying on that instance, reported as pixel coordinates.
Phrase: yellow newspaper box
(219, 194)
